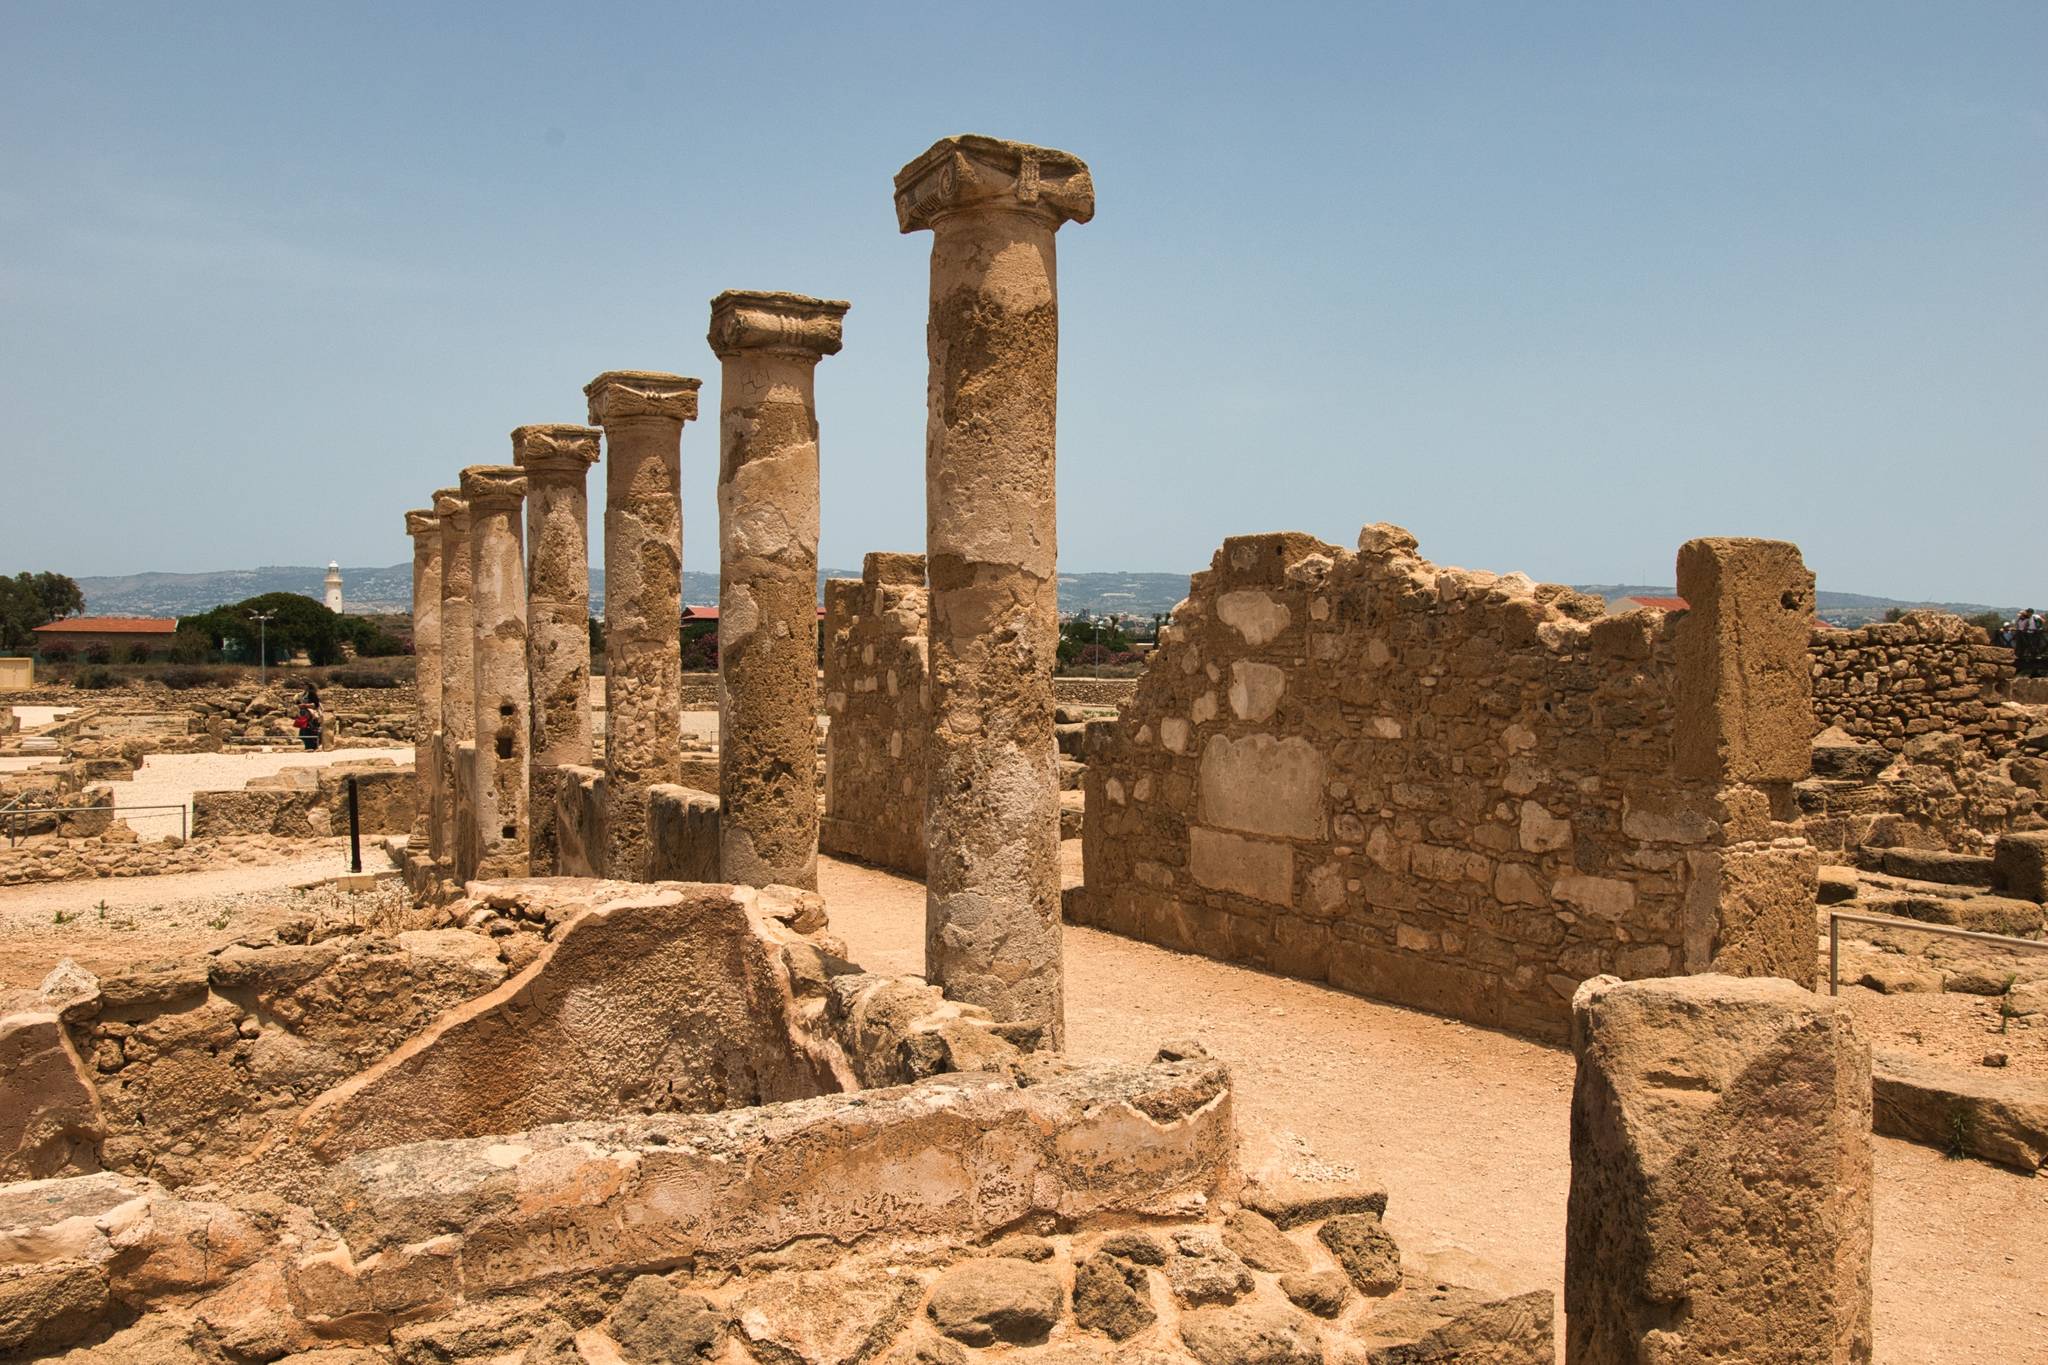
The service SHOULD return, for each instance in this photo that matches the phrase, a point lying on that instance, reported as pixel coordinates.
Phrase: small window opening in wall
(504, 746)
(506, 709)
(1790, 600)
(511, 832)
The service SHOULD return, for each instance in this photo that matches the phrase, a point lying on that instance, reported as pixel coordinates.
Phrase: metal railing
(11, 814)
(1835, 917)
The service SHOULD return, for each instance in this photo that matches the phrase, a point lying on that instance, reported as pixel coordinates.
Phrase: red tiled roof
(110, 625)
(1660, 603)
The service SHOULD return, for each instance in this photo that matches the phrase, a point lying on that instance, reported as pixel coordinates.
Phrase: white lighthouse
(333, 597)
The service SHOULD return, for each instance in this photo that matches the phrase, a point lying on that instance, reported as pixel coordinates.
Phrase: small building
(120, 636)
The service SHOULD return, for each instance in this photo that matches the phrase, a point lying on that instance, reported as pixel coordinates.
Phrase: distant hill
(1836, 608)
(389, 588)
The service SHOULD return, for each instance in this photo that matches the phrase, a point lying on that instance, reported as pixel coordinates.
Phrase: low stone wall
(878, 703)
(1458, 790)
(119, 852)
(1929, 672)
(312, 803)
(1113, 692)
(682, 834)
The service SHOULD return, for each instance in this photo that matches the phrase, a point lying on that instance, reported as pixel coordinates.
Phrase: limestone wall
(1457, 790)
(1925, 673)
(877, 704)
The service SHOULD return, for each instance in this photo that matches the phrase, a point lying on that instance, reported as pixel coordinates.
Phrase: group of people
(2027, 636)
(307, 721)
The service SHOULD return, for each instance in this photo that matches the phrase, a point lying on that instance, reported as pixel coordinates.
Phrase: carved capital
(450, 509)
(555, 452)
(617, 395)
(420, 522)
(970, 172)
(788, 324)
(493, 487)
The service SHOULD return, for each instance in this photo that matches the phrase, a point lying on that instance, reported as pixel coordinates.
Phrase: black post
(355, 837)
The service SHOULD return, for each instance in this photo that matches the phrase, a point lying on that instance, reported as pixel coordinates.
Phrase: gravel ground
(1470, 1129)
(147, 918)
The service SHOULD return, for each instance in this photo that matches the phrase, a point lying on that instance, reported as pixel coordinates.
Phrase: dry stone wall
(878, 708)
(1458, 790)
(1926, 673)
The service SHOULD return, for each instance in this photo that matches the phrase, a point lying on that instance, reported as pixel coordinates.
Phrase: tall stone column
(425, 529)
(556, 460)
(769, 346)
(642, 414)
(458, 671)
(992, 897)
(504, 718)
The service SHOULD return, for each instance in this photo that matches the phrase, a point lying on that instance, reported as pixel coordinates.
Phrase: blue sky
(1555, 286)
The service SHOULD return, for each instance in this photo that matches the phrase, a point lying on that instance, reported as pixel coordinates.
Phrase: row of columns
(510, 708)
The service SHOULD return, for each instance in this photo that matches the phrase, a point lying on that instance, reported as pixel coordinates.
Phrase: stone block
(2019, 865)
(1745, 684)
(1258, 868)
(579, 821)
(50, 1121)
(1261, 784)
(682, 834)
(1964, 1111)
(1935, 865)
(1720, 1201)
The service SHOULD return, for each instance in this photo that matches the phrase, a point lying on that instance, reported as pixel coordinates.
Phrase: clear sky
(1556, 286)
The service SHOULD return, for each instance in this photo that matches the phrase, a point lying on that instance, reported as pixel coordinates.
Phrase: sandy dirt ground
(148, 918)
(170, 779)
(1470, 1129)
(36, 717)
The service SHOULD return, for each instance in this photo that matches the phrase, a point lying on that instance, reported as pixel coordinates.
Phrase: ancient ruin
(642, 414)
(992, 917)
(603, 1081)
(494, 821)
(768, 346)
(1460, 790)
(557, 460)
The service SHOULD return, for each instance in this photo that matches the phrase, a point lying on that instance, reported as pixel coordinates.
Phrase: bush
(139, 654)
(95, 679)
(360, 678)
(58, 654)
(180, 679)
(98, 654)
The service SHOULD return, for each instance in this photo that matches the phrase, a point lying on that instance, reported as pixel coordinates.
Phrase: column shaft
(992, 906)
(769, 346)
(504, 722)
(425, 530)
(642, 415)
(556, 460)
(458, 672)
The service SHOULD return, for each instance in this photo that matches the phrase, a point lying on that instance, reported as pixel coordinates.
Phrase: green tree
(28, 600)
(297, 623)
(1989, 620)
(1084, 631)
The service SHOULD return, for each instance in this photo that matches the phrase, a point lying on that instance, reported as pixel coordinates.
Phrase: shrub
(139, 654)
(95, 679)
(361, 678)
(57, 654)
(180, 679)
(98, 654)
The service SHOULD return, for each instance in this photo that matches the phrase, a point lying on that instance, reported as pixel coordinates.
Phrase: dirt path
(1470, 1129)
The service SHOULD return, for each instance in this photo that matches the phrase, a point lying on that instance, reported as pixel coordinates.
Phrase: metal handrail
(1895, 922)
(14, 809)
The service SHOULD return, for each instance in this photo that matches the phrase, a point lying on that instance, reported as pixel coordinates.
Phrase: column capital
(421, 522)
(448, 505)
(493, 487)
(786, 324)
(972, 172)
(552, 451)
(618, 394)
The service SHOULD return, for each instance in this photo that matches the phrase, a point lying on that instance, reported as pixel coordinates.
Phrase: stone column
(1720, 1203)
(992, 898)
(458, 672)
(769, 346)
(425, 529)
(504, 720)
(556, 460)
(642, 415)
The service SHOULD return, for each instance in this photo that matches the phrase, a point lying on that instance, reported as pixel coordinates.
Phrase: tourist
(2028, 642)
(307, 723)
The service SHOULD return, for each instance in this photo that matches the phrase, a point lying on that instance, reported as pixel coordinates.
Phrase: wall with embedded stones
(1926, 673)
(1459, 790)
(878, 707)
